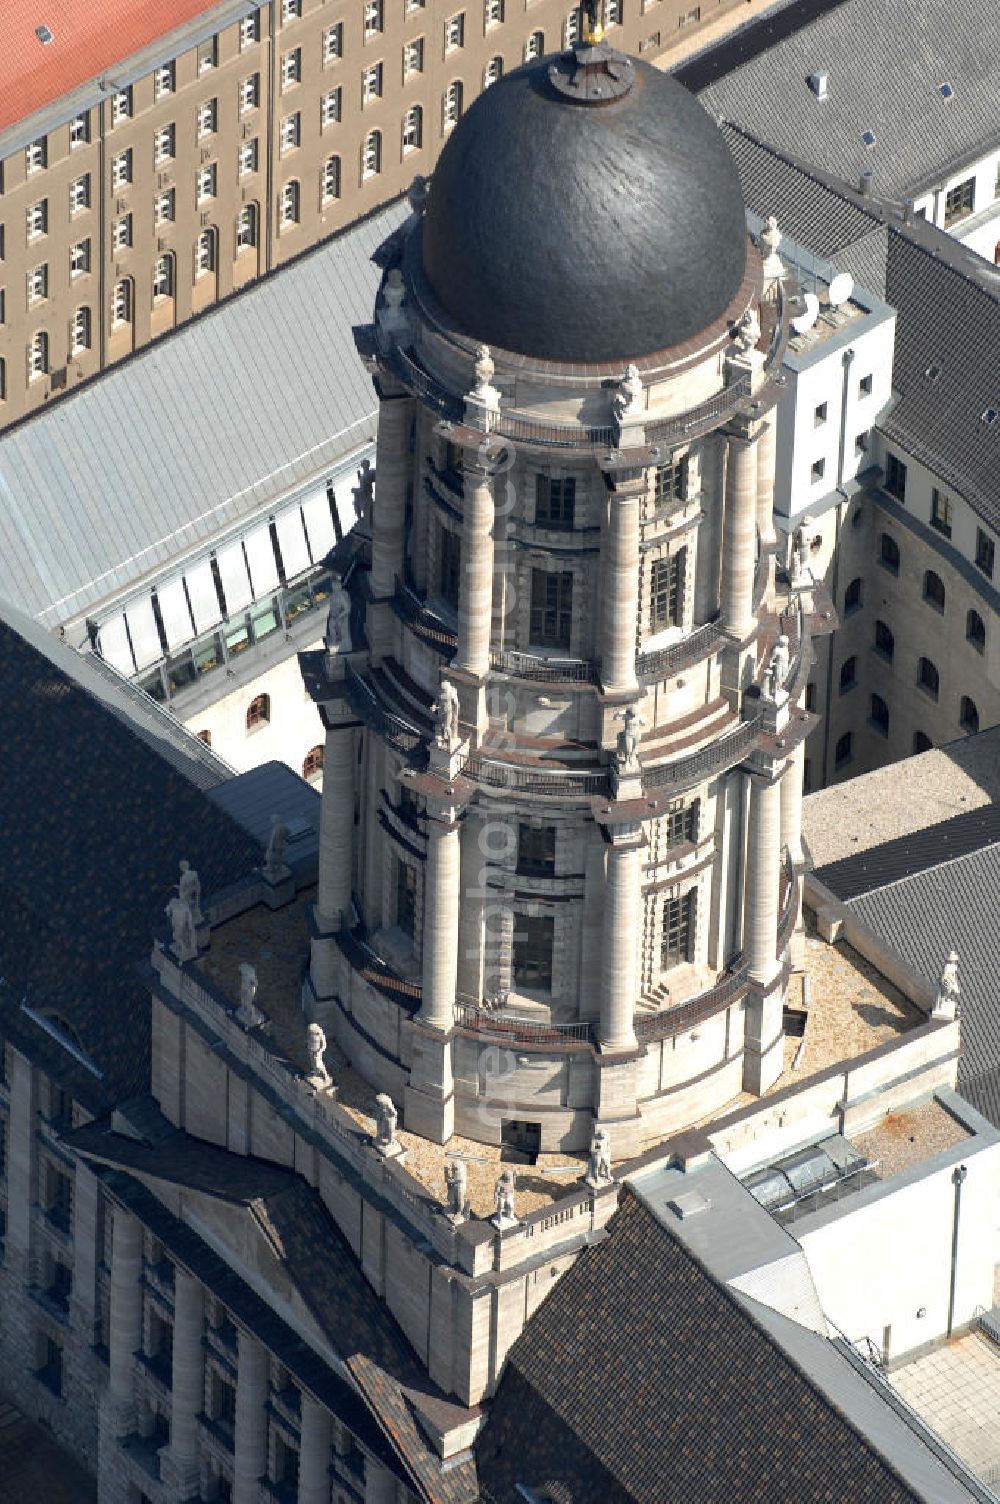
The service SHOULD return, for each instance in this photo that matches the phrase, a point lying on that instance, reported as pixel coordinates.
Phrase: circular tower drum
(559, 847)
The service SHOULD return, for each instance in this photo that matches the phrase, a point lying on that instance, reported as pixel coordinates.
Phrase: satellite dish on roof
(806, 320)
(840, 289)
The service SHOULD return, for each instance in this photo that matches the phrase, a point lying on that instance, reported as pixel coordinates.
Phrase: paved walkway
(956, 1389)
(34, 1469)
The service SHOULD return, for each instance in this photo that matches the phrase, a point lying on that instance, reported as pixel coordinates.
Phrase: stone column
(336, 825)
(393, 468)
(83, 1304)
(739, 534)
(765, 481)
(620, 955)
(709, 542)
(763, 879)
(380, 1485)
(314, 1453)
(442, 898)
(250, 1440)
(475, 601)
(188, 1381)
(21, 1164)
(620, 588)
(126, 1317)
(791, 804)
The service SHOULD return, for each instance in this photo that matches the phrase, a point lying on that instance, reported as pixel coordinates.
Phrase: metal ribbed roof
(195, 434)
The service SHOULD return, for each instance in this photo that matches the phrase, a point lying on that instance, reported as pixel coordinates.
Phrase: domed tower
(562, 785)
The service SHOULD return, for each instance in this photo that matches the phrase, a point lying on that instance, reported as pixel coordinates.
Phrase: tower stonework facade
(560, 854)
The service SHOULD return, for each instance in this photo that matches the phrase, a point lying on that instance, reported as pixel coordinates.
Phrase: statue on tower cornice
(445, 710)
(185, 942)
(746, 333)
(189, 888)
(628, 397)
(338, 618)
(363, 492)
(949, 992)
(627, 752)
(505, 1216)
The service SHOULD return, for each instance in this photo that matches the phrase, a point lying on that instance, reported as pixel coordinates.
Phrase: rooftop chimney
(819, 83)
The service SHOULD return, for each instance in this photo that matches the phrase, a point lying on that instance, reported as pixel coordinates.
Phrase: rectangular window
(246, 228)
(819, 415)
(205, 183)
(249, 30)
(895, 477)
(532, 958)
(818, 470)
(38, 219)
(329, 109)
(121, 303)
(164, 81)
(551, 609)
(666, 591)
(79, 131)
(678, 930)
(38, 283)
(164, 207)
(38, 356)
(121, 106)
(163, 278)
(121, 169)
(290, 204)
(958, 201)
(330, 186)
(555, 501)
(450, 572)
(866, 386)
(682, 823)
(291, 68)
(985, 552)
(204, 259)
(79, 194)
(208, 55)
(670, 484)
(941, 512)
(291, 10)
(36, 157)
(333, 43)
(413, 57)
(536, 851)
(373, 18)
(79, 258)
(208, 114)
(249, 93)
(290, 132)
(493, 13)
(248, 158)
(406, 897)
(121, 235)
(164, 144)
(454, 32)
(371, 83)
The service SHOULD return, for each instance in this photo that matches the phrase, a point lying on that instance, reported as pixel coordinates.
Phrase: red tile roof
(88, 37)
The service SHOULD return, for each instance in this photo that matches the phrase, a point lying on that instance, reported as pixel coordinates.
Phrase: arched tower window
(969, 715)
(259, 712)
(934, 590)
(975, 631)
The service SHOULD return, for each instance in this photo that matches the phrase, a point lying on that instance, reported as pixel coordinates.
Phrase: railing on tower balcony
(788, 905)
(662, 663)
(557, 435)
(423, 385)
(669, 1021)
(725, 752)
(546, 670)
(367, 706)
(698, 420)
(535, 779)
(422, 621)
(377, 972)
(514, 1030)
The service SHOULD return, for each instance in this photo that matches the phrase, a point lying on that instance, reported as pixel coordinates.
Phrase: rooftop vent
(43, 34)
(945, 90)
(990, 416)
(869, 138)
(933, 372)
(867, 184)
(819, 83)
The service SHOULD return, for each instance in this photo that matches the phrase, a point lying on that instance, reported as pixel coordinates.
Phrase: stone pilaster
(336, 853)
(791, 804)
(620, 588)
(250, 1440)
(706, 589)
(86, 1199)
(763, 879)
(442, 897)
(739, 534)
(475, 604)
(314, 1453)
(392, 472)
(22, 1163)
(620, 956)
(765, 481)
(126, 1318)
(188, 1383)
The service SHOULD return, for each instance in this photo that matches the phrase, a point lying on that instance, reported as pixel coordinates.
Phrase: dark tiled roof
(885, 65)
(642, 1378)
(94, 820)
(318, 1260)
(853, 876)
(749, 41)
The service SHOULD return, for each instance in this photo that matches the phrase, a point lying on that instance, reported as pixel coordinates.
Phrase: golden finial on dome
(593, 31)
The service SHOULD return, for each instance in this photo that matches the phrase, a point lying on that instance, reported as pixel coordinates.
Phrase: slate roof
(193, 435)
(885, 66)
(318, 1259)
(642, 1378)
(95, 817)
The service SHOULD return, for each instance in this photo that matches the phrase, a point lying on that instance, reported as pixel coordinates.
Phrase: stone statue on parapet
(949, 992)
(456, 1178)
(338, 618)
(779, 661)
(248, 1013)
(746, 333)
(599, 1164)
(445, 710)
(316, 1045)
(184, 940)
(418, 193)
(504, 1216)
(189, 889)
(627, 398)
(364, 491)
(274, 858)
(627, 751)
(386, 1118)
